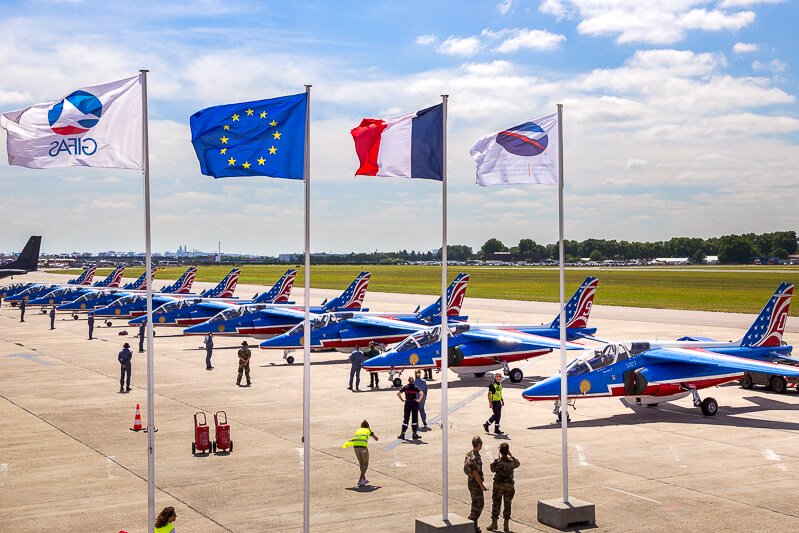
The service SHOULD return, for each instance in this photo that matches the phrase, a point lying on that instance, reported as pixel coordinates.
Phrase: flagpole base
(555, 513)
(434, 524)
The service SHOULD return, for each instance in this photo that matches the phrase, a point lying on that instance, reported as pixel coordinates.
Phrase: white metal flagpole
(306, 361)
(444, 328)
(148, 262)
(564, 414)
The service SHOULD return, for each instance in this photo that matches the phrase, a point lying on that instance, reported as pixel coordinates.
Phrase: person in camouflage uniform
(473, 468)
(503, 489)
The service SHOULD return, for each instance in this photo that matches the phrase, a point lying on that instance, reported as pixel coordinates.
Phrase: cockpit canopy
(125, 300)
(602, 357)
(89, 296)
(322, 321)
(428, 336)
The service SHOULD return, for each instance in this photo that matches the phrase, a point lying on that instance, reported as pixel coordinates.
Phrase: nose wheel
(289, 358)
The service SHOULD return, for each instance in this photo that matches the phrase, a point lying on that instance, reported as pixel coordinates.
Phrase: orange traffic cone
(137, 420)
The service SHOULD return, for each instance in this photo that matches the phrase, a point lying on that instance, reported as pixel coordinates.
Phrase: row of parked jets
(642, 372)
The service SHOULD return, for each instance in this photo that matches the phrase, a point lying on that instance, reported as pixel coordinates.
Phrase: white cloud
(504, 6)
(746, 3)
(775, 66)
(534, 39)
(425, 40)
(636, 163)
(744, 48)
(460, 46)
(556, 8)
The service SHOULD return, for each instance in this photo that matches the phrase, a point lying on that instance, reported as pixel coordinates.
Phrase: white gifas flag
(527, 153)
(98, 126)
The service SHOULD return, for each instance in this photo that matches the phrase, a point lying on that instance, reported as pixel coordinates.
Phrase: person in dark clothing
(52, 317)
(142, 335)
(90, 321)
(503, 489)
(411, 396)
(374, 377)
(209, 350)
(125, 357)
(22, 304)
(495, 403)
(356, 360)
(473, 468)
(428, 374)
(422, 386)
(244, 363)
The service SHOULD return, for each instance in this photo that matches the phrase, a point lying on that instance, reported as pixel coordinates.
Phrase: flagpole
(148, 261)
(306, 361)
(444, 329)
(564, 415)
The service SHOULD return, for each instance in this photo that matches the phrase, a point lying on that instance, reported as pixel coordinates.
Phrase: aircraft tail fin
(352, 297)
(769, 325)
(578, 308)
(456, 292)
(183, 284)
(280, 291)
(141, 283)
(85, 278)
(226, 287)
(28, 258)
(113, 279)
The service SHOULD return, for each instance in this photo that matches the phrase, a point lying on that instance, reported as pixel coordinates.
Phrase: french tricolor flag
(404, 146)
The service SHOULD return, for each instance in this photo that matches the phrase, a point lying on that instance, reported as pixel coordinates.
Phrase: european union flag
(262, 138)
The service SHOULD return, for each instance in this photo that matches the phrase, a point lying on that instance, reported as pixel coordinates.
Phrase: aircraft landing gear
(515, 375)
(74, 317)
(557, 413)
(396, 381)
(289, 358)
(709, 406)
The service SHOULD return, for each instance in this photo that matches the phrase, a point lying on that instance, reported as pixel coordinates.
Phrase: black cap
(126, 345)
(244, 343)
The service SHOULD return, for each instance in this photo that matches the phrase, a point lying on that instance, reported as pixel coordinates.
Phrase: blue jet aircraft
(100, 298)
(69, 294)
(651, 372)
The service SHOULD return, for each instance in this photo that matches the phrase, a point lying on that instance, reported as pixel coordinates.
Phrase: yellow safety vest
(360, 440)
(497, 396)
(165, 529)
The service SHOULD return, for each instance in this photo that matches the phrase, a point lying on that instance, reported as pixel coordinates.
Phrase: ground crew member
(428, 374)
(374, 377)
(90, 321)
(422, 386)
(503, 489)
(473, 468)
(411, 410)
(360, 444)
(495, 403)
(142, 335)
(244, 363)
(209, 350)
(124, 358)
(22, 304)
(52, 317)
(163, 523)
(356, 359)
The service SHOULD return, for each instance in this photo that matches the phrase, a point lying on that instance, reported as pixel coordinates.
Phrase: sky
(680, 118)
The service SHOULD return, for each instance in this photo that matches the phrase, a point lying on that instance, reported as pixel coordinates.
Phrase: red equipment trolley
(202, 435)
(222, 441)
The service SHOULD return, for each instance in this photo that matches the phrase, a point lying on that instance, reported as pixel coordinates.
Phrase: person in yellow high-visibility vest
(360, 444)
(495, 403)
(164, 521)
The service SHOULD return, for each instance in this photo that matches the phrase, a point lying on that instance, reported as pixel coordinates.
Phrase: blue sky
(680, 119)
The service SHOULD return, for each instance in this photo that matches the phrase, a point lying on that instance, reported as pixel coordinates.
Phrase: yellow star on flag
(223, 151)
(246, 164)
(263, 114)
(261, 160)
(223, 139)
(235, 117)
(231, 161)
(249, 112)
(276, 135)
(227, 127)
(273, 123)
(272, 150)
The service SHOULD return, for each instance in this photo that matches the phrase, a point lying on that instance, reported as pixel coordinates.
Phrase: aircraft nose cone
(545, 388)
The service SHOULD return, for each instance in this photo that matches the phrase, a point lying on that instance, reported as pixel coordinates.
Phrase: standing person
(360, 444)
(422, 386)
(52, 317)
(374, 377)
(142, 335)
(503, 489)
(163, 523)
(495, 403)
(428, 374)
(124, 358)
(22, 304)
(209, 350)
(356, 359)
(90, 321)
(473, 468)
(244, 363)
(411, 409)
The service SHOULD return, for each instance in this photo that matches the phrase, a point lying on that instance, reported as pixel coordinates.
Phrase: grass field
(705, 289)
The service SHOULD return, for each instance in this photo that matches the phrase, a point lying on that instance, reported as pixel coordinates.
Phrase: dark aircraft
(28, 259)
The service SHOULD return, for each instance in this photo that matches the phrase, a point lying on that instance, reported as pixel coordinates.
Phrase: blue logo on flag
(525, 140)
(75, 114)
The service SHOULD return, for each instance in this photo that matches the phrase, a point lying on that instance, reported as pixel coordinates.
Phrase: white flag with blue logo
(98, 126)
(523, 154)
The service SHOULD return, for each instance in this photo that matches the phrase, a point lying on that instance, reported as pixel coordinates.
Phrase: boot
(507, 525)
(498, 431)
(485, 427)
(476, 527)
(494, 526)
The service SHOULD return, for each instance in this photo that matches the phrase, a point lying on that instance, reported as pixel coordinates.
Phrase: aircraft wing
(500, 335)
(293, 313)
(387, 323)
(704, 357)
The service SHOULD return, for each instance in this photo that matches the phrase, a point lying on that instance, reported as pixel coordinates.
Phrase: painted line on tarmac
(30, 357)
(635, 495)
(109, 464)
(771, 455)
(3, 473)
(581, 455)
(436, 419)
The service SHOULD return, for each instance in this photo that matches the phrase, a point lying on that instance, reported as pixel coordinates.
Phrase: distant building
(510, 257)
(672, 260)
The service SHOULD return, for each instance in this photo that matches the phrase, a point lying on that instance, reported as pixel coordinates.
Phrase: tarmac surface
(69, 462)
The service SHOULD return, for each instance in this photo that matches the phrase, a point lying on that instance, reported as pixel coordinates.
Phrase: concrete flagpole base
(555, 513)
(434, 524)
